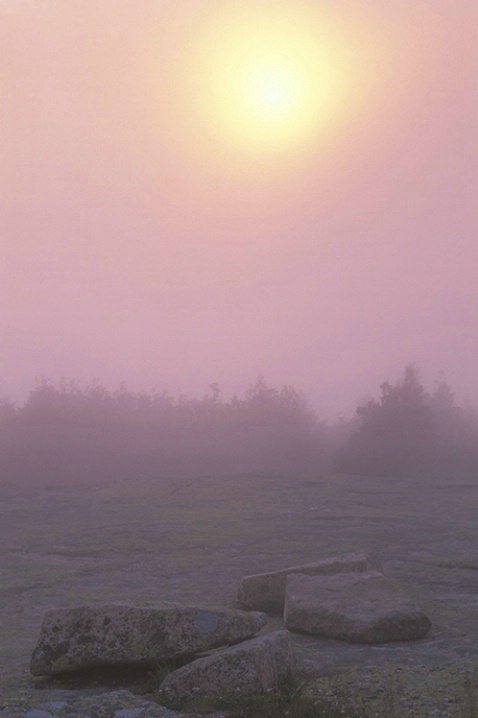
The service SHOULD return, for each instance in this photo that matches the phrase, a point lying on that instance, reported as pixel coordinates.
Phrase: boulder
(119, 703)
(117, 633)
(266, 591)
(354, 607)
(255, 666)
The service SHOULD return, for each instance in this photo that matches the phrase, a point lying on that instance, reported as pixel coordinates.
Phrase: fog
(239, 330)
(69, 433)
(136, 247)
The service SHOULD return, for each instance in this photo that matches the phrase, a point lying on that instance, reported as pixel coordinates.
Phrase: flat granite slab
(266, 591)
(354, 607)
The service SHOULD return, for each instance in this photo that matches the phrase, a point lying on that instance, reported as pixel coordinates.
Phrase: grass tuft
(340, 700)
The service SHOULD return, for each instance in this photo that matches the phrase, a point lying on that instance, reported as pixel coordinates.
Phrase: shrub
(409, 431)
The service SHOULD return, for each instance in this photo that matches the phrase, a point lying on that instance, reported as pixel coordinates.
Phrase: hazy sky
(154, 232)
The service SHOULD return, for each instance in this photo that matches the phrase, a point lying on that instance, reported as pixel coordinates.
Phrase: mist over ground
(71, 432)
(117, 496)
(163, 227)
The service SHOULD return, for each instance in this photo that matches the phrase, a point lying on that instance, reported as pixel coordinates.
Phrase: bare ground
(191, 540)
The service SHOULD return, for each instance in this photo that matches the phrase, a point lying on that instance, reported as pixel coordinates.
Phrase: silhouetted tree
(409, 431)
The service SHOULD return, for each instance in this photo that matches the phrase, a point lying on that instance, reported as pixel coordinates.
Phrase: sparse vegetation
(279, 705)
(337, 700)
(340, 700)
(290, 702)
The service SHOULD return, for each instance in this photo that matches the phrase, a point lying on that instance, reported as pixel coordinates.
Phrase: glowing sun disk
(273, 93)
(268, 80)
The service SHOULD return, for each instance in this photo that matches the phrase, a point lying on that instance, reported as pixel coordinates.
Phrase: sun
(266, 77)
(274, 94)
(236, 89)
(270, 98)
(270, 94)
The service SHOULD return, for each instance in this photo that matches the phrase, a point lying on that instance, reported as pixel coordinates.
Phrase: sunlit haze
(198, 192)
(270, 76)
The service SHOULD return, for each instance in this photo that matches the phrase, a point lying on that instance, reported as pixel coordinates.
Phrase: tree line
(70, 428)
(72, 431)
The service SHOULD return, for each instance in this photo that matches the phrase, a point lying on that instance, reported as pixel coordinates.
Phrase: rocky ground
(191, 540)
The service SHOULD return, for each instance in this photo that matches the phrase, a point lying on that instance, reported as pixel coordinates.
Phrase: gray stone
(116, 633)
(266, 591)
(112, 704)
(129, 712)
(255, 666)
(54, 705)
(355, 607)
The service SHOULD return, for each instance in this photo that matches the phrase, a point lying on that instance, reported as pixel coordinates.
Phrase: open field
(191, 540)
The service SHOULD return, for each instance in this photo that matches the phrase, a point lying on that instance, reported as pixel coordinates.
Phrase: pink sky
(136, 248)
